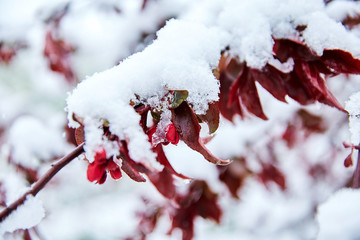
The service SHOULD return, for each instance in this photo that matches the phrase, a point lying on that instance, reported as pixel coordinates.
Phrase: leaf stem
(40, 184)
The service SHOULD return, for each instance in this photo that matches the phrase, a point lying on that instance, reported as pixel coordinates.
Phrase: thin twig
(40, 184)
(356, 181)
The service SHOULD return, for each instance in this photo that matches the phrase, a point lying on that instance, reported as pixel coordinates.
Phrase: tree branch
(40, 184)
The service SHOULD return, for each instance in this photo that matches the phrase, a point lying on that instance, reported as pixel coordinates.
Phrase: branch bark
(40, 184)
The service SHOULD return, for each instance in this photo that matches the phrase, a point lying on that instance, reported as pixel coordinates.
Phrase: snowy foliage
(26, 216)
(155, 88)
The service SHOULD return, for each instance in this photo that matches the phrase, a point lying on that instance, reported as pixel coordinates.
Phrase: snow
(339, 216)
(183, 56)
(353, 107)
(340, 10)
(24, 217)
(323, 33)
(169, 63)
(32, 141)
(250, 32)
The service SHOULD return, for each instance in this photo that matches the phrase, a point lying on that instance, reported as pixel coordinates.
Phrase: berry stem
(40, 184)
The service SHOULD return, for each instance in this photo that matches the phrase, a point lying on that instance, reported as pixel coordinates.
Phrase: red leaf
(198, 201)
(103, 178)
(143, 111)
(161, 158)
(296, 90)
(212, 117)
(234, 88)
(164, 183)
(290, 135)
(341, 61)
(27, 235)
(149, 216)
(96, 172)
(311, 122)
(315, 84)
(132, 172)
(114, 170)
(244, 88)
(129, 166)
(271, 173)
(115, 173)
(57, 52)
(286, 48)
(6, 53)
(234, 175)
(188, 127)
(348, 160)
(351, 21)
(249, 95)
(272, 80)
(226, 80)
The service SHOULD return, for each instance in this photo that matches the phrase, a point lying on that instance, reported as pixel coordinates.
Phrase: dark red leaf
(164, 182)
(249, 95)
(129, 166)
(311, 122)
(297, 91)
(341, 61)
(322, 68)
(198, 201)
(228, 73)
(272, 80)
(348, 162)
(161, 158)
(149, 216)
(129, 169)
(6, 53)
(57, 52)
(290, 136)
(132, 173)
(244, 88)
(188, 127)
(286, 48)
(143, 111)
(351, 21)
(315, 84)
(27, 235)
(310, 77)
(271, 173)
(234, 88)
(212, 117)
(234, 175)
